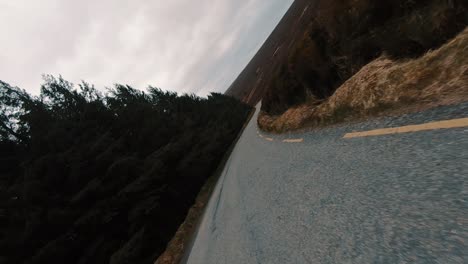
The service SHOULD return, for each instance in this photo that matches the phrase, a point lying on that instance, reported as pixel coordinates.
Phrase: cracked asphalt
(399, 198)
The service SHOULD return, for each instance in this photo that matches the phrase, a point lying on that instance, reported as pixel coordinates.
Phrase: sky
(188, 46)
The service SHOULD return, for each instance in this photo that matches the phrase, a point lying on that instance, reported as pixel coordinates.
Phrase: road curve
(317, 197)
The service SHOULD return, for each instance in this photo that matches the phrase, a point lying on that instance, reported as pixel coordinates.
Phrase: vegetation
(387, 86)
(87, 177)
(342, 36)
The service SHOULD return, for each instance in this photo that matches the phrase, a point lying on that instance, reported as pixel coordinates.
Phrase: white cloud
(181, 45)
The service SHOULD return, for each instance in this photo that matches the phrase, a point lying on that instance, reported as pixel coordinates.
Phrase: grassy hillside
(93, 178)
(321, 44)
(344, 35)
(250, 85)
(386, 86)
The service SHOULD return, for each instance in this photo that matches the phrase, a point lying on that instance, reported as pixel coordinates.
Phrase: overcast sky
(193, 46)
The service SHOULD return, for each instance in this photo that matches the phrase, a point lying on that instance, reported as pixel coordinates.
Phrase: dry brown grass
(339, 37)
(384, 86)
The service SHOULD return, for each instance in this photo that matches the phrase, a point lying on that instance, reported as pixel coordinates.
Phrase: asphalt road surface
(317, 197)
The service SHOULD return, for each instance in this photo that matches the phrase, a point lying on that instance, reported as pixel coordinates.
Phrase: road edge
(197, 211)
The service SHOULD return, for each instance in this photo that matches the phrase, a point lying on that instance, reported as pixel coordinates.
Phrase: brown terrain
(251, 84)
(330, 61)
(386, 86)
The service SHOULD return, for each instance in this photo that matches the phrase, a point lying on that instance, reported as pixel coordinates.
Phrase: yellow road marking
(294, 140)
(454, 123)
(290, 140)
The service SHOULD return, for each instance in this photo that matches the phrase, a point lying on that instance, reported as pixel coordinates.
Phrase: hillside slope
(321, 44)
(250, 85)
(384, 85)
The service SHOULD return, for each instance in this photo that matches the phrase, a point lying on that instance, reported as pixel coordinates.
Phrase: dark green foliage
(93, 178)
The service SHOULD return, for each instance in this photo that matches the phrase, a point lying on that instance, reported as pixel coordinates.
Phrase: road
(317, 197)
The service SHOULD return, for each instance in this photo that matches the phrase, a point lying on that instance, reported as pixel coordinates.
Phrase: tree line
(92, 177)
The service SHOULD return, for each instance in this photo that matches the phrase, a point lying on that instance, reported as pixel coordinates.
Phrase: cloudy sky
(193, 46)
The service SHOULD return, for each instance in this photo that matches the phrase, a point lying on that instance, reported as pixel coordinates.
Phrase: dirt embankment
(360, 57)
(439, 77)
